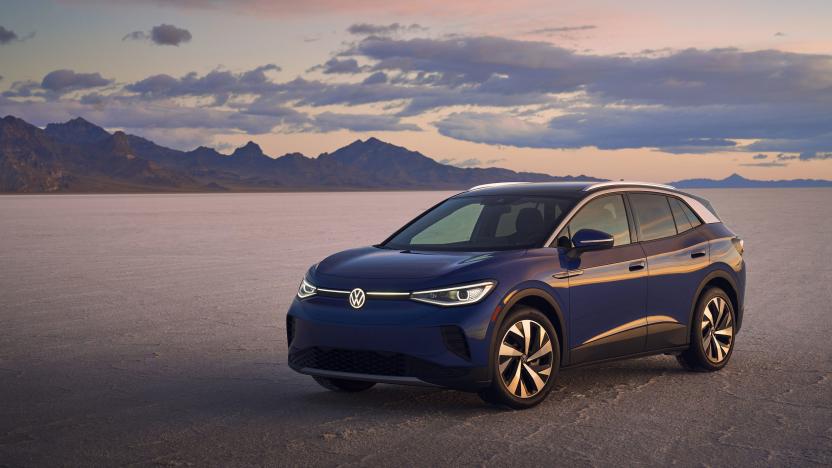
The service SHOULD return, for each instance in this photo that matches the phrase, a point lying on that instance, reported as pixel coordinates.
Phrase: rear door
(607, 288)
(677, 257)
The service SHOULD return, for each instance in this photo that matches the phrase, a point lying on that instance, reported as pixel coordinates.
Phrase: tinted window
(682, 222)
(694, 220)
(483, 223)
(456, 227)
(653, 215)
(606, 214)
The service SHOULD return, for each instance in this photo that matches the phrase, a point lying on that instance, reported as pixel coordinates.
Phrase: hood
(379, 263)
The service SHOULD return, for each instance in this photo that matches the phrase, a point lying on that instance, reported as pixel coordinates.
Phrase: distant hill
(738, 181)
(79, 156)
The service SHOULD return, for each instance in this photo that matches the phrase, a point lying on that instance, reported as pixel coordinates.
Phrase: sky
(647, 90)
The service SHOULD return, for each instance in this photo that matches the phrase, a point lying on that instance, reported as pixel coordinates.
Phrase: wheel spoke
(505, 364)
(516, 330)
(718, 317)
(526, 335)
(515, 381)
(506, 350)
(729, 332)
(707, 318)
(544, 350)
(523, 392)
(718, 348)
(538, 382)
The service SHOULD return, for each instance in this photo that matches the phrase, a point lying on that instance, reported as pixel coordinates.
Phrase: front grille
(455, 341)
(290, 329)
(343, 360)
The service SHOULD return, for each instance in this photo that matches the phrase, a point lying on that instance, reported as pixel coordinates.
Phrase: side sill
(674, 349)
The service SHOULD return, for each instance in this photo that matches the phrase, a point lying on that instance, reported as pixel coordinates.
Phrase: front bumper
(391, 341)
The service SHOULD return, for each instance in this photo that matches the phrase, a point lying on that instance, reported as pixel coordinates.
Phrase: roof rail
(627, 184)
(495, 184)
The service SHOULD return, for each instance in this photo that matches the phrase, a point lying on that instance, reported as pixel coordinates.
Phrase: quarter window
(682, 222)
(694, 220)
(654, 217)
(605, 214)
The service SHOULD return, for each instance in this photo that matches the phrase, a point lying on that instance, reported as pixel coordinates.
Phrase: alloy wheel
(525, 358)
(717, 330)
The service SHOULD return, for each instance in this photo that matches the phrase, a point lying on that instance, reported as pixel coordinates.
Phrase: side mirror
(592, 239)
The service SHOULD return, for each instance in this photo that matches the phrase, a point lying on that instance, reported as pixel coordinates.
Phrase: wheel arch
(538, 299)
(724, 281)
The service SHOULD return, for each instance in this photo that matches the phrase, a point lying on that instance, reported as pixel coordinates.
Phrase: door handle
(697, 254)
(636, 266)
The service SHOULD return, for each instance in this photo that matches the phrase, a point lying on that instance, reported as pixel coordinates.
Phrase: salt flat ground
(149, 329)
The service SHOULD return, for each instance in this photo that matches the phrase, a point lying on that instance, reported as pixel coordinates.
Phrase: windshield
(484, 223)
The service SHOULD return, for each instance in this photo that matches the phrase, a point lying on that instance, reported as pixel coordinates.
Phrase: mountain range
(79, 156)
(738, 181)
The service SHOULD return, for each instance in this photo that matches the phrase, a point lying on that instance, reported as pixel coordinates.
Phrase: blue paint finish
(608, 303)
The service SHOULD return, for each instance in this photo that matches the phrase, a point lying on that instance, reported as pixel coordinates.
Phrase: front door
(607, 288)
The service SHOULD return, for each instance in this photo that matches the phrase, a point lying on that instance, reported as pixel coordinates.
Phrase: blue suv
(497, 288)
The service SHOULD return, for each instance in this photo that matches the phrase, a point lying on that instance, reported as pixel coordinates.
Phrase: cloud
(685, 77)
(68, 80)
(699, 129)
(765, 164)
(328, 122)
(334, 65)
(376, 78)
(779, 34)
(136, 36)
(7, 36)
(168, 34)
(814, 155)
(140, 116)
(218, 83)
(367, 29)
(164, 34)
(499, 91)
(562, 29)
(470, 162)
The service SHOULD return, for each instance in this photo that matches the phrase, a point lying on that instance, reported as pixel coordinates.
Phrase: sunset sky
(649, 90)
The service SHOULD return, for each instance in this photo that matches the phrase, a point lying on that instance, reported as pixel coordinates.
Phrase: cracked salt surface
(148, 329)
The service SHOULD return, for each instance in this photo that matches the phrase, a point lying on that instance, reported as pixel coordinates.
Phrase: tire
(343, 385)
(711, 346)
(517, 379)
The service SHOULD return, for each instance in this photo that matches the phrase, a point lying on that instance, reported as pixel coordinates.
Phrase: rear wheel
(526, 359)
(343, 385)
(712, 333)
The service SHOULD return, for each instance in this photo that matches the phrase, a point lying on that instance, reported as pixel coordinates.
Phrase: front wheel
(712, 333)
(526, 359)
(343, 385)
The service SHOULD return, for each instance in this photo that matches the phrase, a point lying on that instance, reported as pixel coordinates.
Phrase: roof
(578, 188)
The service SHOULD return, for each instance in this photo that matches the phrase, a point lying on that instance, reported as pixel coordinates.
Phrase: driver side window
(606, 214)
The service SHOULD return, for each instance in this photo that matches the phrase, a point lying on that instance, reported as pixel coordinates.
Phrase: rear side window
(682, 222)
(694, 220)
(605, 214)
(652, 212)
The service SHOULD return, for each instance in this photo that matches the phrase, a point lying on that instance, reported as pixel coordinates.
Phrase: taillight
(739, 245)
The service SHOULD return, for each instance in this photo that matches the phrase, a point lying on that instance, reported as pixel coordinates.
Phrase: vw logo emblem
(357, 298)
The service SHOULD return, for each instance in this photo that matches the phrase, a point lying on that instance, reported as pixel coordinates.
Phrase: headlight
(458, 295)
(306, 289)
